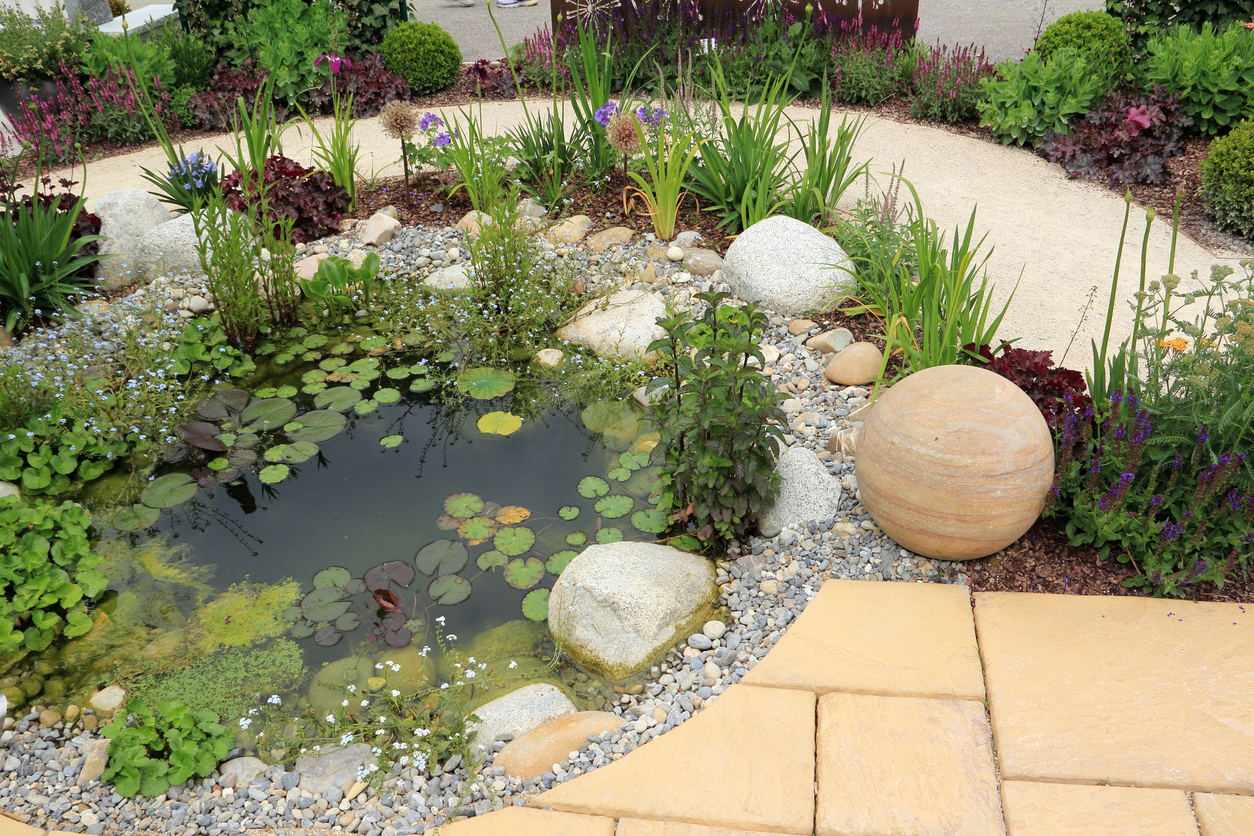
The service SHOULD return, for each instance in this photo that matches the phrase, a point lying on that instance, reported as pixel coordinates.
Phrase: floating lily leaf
(372, 343)
(219, 463)
(559, 561)
(322, 596)
(327, 612)
(387, 395)
(485, 383)
(650, 522)
(226, 438)
(401, 637)
(297, 332)
(569, 512)
(311, 376)
(633, 461)
(268, 413)
(619, 474)
(303, 629)
(590, 487)
(222, 403)
(398, 373)
(203, 435)
(309, 357)
(205, 478)
(355, 587)
(348, 621)
(273, 474)
(275, 454)
(247, 440)
(365, 407)
(314, 341)
(524, 573)
(229, 475)
(463, 505)
(499, 423)
(293, 614)
(386, 599)
(328, 636)
(511, 515)
(361, 384)
(397, 571)
(615, 506)
(445, 356)
(283, 359)
(422, 384)
(491, 560)
(609, 535)
(514, 540)
(447, 522)
(332, 576)
(292, 426)
(477, 529)
(342, 348)
(603, 415)
(576, 538)
(443, 557)
(390, 441)
(135, 517)
(449, 590)
(301, 451)
(535, 605)
(267, 392)
(364, 364)
(168, 491)
(331, 364)
(319, 426)
(286, 392)
(314, 388)
(339, 398)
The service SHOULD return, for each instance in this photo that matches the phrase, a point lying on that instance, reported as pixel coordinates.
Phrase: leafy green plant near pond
(32, 48)
(1029, 99)
(48, 573)
(336, 285)
(287, 36)
(720, 422)
(1228, 179)
(151, 750)
(1212, 70)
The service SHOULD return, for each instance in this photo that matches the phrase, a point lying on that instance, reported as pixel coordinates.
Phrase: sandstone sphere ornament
(955, 462)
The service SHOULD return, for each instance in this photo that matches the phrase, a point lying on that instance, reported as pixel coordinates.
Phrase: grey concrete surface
(1006, 29)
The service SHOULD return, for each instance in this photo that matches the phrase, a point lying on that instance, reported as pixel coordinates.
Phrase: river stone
(244, 770)
(550, 357)
(532, 754)
(416, 670)
(9, 489)
(618, 605)
(307, 267)
(97, 758)
(377, 230)
(955, 462)
(329, 686)
(108, 700)
(570, 231)
(520, 637)
(622, 325)
(806, 492)
(702, 262)
(519, 712)
(854, 365)
(167, 248)
(607, 238)
(126, 215)
(472, 221)
(830, 342)
(333, 766)
(783, 264)
(453, 277)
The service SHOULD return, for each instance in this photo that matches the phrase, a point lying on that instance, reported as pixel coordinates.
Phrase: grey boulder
(333, 766)
(806, 492)
(621, 325)
(126, 215)
(519, 712)
(168, 248)
(788, 266)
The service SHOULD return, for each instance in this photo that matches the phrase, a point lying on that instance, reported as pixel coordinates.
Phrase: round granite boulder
(955, 462)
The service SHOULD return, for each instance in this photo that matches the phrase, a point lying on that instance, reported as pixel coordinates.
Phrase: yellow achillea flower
(1179, 343)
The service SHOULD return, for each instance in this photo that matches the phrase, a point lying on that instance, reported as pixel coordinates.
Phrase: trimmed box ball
(423, 54)
(955, 462)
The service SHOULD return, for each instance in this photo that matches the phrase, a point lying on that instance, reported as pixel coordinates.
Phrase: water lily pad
(273, 474)
(590, 487)
(394, 571)
(615, 506)
(314, 388)
(292, 426)
(569, 512)
(203, 435)
(514, 540)
(168, 491)
(331, 364)
(422, 384)
(267, 392)
(463, 505)
(219, 463)
(485, 383)
(286, 392)
(387, 395)
(328, 636)
(446, 356)
(559, 561)
(135, 517)
(491, 560)
(477, 529)
(652, 521)
(268, 413)
(372, 343)
(535, 605)
(314, 341)
(283, 359)
(603, 415)
(576, 538)
(247, 440)
(524, 573)
(327, 612)
(275, 454)
(390, 441)
(303, 629)
(619, 474)
(401, 637)
(342, 348)
(398, 373)
(447, 522)
(322, 596)
(499, 423)
(511, 515)
(364, 364)
(365, 407)
(222, 403)
(609, 535)
(311, 376)
(332, 576)
(443, 557)
(293, 614)
(449, 590)
(319, 426)
(360, 384)
(339, 398)
(348, 621)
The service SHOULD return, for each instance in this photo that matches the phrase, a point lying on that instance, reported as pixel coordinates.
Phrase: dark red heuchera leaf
(368, 80)
(306, 195)
(214, 109)
(1055, 391)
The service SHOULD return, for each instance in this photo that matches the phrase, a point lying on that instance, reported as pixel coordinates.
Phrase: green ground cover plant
(1212, 70)
(151, 750)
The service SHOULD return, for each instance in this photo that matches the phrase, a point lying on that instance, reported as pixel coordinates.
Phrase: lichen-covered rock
(806, 492)
(126, 215)
(787, 266)
(955, 462)
(622, 325)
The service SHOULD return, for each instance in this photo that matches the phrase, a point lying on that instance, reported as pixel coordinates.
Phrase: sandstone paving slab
(522, 821)
(643, 827)
(1038, 809)
(746, 761)
(1224, 815)
(904, 766)
(898, 639)
(1126, 691)
(13, 827)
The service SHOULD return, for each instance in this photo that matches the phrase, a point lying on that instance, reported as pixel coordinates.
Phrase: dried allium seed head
(622, 133)
(399, 120)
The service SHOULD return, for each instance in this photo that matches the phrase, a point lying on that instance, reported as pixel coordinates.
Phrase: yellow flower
(1179, 343)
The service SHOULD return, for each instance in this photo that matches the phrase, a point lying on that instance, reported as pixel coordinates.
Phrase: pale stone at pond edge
(770, 354)
(377, 230)
(126, 215)
(782, 263)
(167, 248)
(621, 326)
(97, 758)
(551, 357)
(333, 766)
(797, 327)
(471, 222)
(520, 711)
(806, 492)
(702, 262)
(830, 342)
(675, 254)
(714, 630)
(954, 462)
(454, 277)
(617, 606)
(9, 489)
(1224, 815)
(1075, 810)
(533, 753)
(529, 207)
(108, 700)
(607, 238)
(570, 231)
(244, 769)
(687, 238)
(854, 365)
(307, 267)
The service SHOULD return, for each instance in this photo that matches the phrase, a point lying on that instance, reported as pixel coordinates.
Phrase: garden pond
(349, 510)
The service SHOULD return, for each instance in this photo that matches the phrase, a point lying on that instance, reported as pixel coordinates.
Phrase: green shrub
(191, 57)
(180, 105)
(1029, 99)
(1228, 180)
(47, 573)
(151, 751)
(149, 58)
(287, 36)
(32, 48)
(1096, 33)
(1212, 71)
(423, 54)
(1147, 18)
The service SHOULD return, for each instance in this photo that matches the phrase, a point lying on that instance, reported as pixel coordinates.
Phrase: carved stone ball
(955, 462)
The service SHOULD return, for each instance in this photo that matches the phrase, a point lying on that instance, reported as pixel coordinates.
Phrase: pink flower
(1139, 116)
(334, 62)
